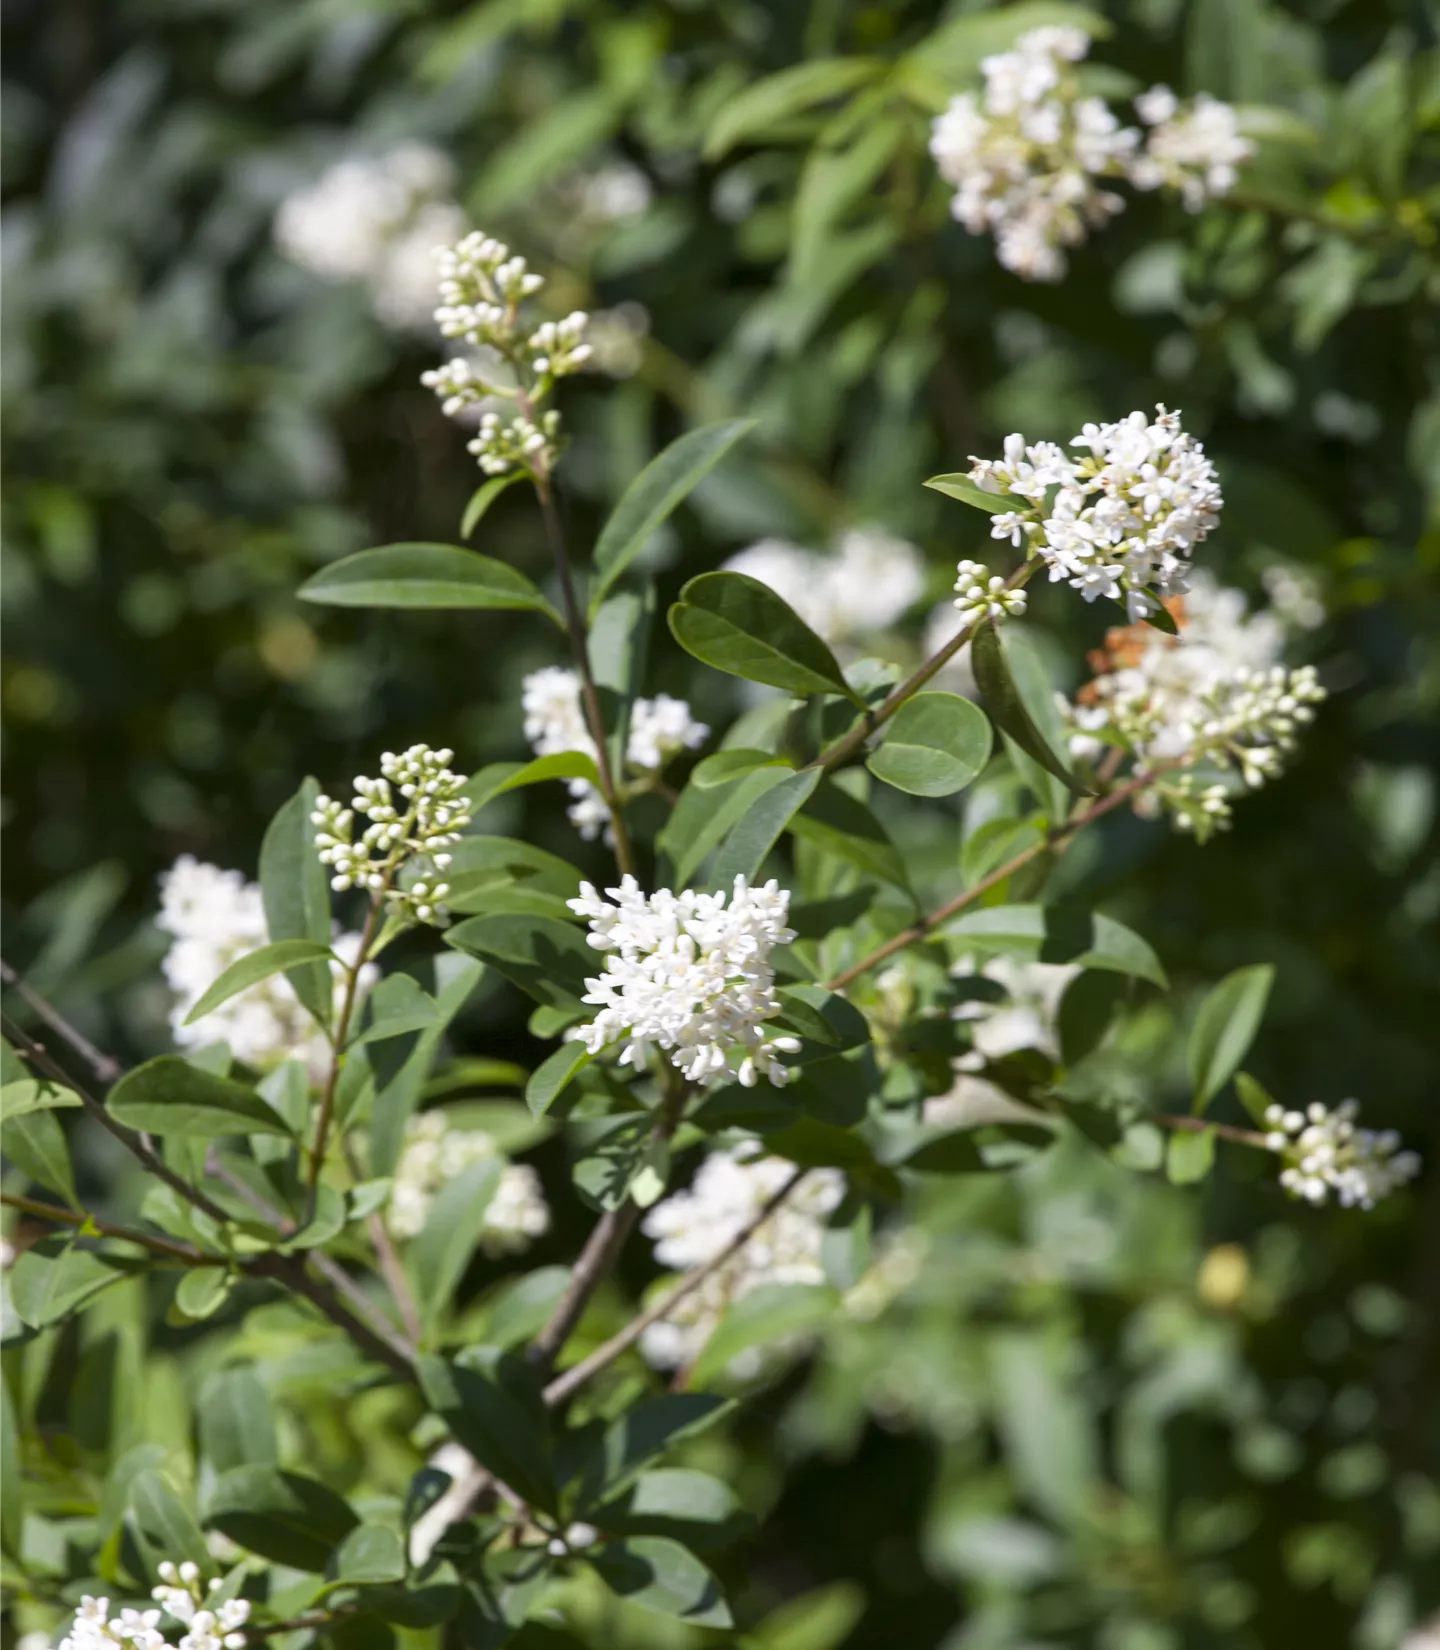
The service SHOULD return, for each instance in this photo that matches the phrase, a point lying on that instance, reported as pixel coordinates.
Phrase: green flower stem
(342, 1028)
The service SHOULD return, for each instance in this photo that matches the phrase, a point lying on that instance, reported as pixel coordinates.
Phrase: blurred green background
(193, 423)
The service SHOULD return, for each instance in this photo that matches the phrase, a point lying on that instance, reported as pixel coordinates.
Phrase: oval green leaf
(259, 965)
(935, 746)
(425, 575)
(741, 626)
(169, 1096)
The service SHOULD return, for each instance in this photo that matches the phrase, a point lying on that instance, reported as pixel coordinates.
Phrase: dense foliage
(1069, 1370)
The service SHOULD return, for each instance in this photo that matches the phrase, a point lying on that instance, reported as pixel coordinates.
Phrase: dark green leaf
(426, 576)
(552, 1076)
(1059, 934)
(439, 1255)
(1006, 705)
(959, 485)
(283, 1516)
(483, 497)
(296, 894)
(692, 1508)
(757, 831)
(841, 824)
(397, 1005)
(822, 1016)
(724, 766)
(1225, 1028)
(276, 958)
(641, 1435)
(169, 1096)
(739, 625)
(548, 959)
(502, 1433)
(934, 746)
(701, 818)
(35, 1143)
(654, 494)
(660, 1575)
(166, 1523)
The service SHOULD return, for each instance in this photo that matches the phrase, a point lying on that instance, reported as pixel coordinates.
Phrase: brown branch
(1202, 1125)
(566, 1385)
(596, 1259)
(105, 1067)
(77, 1217)
(390, 1266)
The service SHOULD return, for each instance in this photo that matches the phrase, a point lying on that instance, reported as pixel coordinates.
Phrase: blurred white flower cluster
(1120, 522)
(1029, 156)
(868, 582)
(483, 290)
(1213, 696)
(1324, 1151)
(660, 728)
(691, 974)
(432, 812)
(377, 220)
(693, 1226)
(211, 1625)
(433, 1155)
(215, 917)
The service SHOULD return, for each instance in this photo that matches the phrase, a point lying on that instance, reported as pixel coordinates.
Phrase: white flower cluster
(691, 974)
(215, 918)
(693, 1226)
(483, 288)
(983, 595)
(433, 1155)
(377, 220)
(1213, 695)
(1121, 521)
(1324, 1151)
(211, 1625)
(1028, 157)
(660, 728)
(432, 812)
(870, 580)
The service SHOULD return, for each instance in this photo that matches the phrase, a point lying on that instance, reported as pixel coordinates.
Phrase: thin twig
(342, 1027)
(606, 1241)
(390, 1266)
(1203, 1125)
(105, 1067)
(78, 1217)
(565, 1386)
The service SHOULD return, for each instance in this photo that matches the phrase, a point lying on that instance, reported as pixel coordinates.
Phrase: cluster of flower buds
(983, 595)
(211, 1623)
(1324, 1151)
(482, 290)
(426, 821)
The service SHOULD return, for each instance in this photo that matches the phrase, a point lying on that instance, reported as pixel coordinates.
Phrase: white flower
(691, 974)
(1028, 156)
(981, 595)
(555, 722)
(1196, 150)
(433, 1155)
(1324, 1151)
(215, 918)
(377, 220)
(427, 821)
(1120, 522)
(693, 1226)
(869, 581)
(212, 1626)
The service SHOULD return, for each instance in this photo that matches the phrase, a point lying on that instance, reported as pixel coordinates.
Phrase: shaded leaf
(1224, 1030)
(169, 1096)
(935, 745)
(296, 895)
(286, 1517)
(370, 1554)
(739, 625)
(658, 1574)
(643, 1434)
(501, 1432)
(425, 576)
(166, 1523)
(483, 497)
(553, 1076)
(437, 1258)
(759, 828)
(1058, 934)
(1006, 705)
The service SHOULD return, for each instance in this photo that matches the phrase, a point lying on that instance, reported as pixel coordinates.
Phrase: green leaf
(1049, 1434)
(520, 1308)
(550, 1079)
(702, 818)
(425, 576)
(498, 777)
(787, 93)
(652, 497)
(759, 828)
(296, 895)
(35, 1143)
(397, 1005)
(46, 1286)
(201, 1293)
(1060, 934)
(12, 1479)
(821, 1619)
(505, 1435)
(283, 1516)
(1189, 1157)
(935, 745)
(611, 1152)
(166, 1523)
(548, 959)
(545, 146)
(1224, 1030)
(1254, 1098)
(760, 1318)
(741, 626)
(369, 1555)
(439, 1255)
(658, 1574)
(275, 958)
(725, 766)
(26, 1094)
(698, 1511)
(642, 1435)
(960, 486)
(1007, 707)
(237, 1421)
(841, 824)
(483, 497)
(169, 1096)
